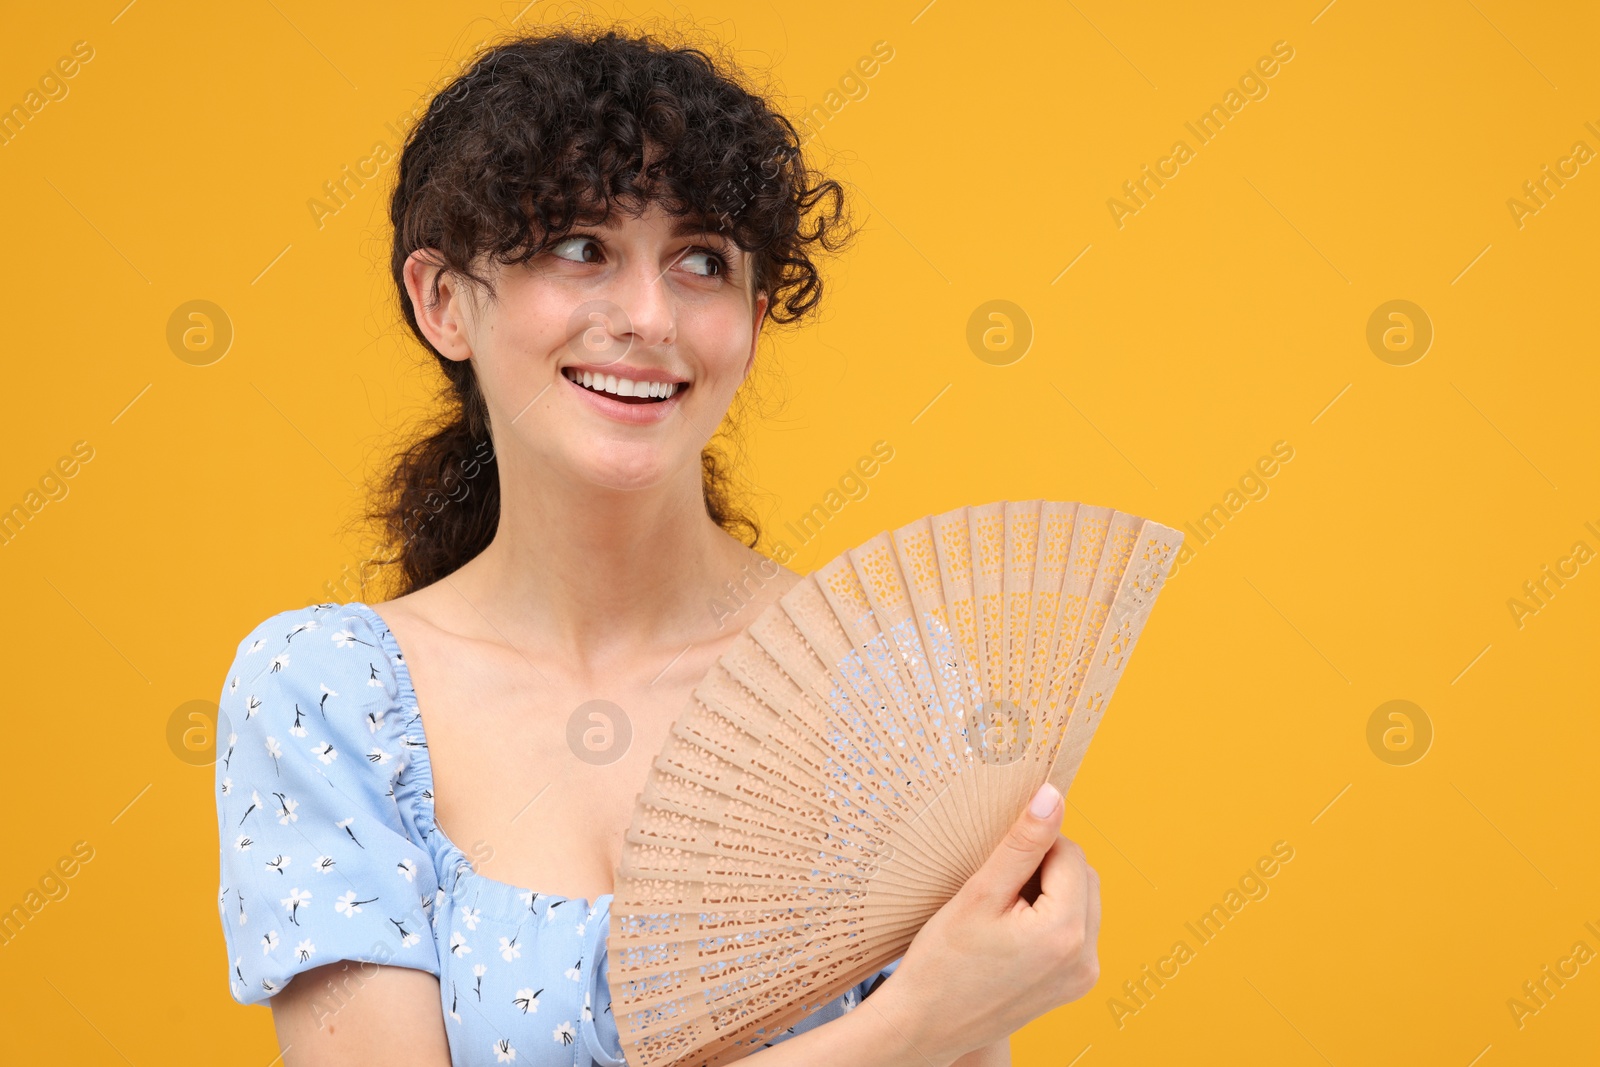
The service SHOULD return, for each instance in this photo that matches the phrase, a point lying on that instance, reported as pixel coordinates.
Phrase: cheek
(526, 330)
(719, 334)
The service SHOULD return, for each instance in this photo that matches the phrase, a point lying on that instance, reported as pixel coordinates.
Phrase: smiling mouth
(623, 389)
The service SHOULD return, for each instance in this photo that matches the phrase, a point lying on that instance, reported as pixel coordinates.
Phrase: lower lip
(633, 414)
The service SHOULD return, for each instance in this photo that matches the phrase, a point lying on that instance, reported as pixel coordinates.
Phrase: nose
(647, 311)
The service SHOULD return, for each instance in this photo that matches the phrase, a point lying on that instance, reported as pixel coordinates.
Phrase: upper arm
(348, 1014)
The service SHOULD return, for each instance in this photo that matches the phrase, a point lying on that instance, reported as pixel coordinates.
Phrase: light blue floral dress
(330, 851)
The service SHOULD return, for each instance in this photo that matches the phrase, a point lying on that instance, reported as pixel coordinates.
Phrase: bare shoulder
(429, 614)
(417, 606)
(772, 579)
(786, 578)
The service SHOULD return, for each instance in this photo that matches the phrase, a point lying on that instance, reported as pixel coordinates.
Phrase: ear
(760, 313)
(446, 322)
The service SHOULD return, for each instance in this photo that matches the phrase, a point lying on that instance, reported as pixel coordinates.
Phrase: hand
(988, 961)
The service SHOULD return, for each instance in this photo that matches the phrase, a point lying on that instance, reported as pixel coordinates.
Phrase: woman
(590, 231)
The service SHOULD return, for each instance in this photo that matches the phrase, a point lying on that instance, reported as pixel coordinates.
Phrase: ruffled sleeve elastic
(317, 864)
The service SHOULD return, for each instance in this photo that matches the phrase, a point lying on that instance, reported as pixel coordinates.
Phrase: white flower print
(325, 752)
(227, 787)
(322, 864)
(279, 662)
(407, 938)
(527, 1000)
(374, 681)
(286, 808)
(256, 647)
(509, 949)
(269, 986)
(344, 824)
(274, 750)
(255, 802)
(243, 843)
(348, 905)
(252, 705)
(563, 1034)
(278, 863)
(269, 941)
(503, 1052)
(470, 917)
(407, 869)
(458, 944)
(378, 757)
(303, 950)
(292, 902)
(374, 719)
(478, 971)
(346, 639)
(580, 928)
(575, 971)
(298, 728)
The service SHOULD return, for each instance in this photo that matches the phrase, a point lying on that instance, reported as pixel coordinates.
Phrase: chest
(535, 775)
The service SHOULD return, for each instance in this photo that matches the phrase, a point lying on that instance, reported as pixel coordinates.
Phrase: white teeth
(610, 383)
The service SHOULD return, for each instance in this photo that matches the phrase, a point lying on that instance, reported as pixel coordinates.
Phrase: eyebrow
(695, 224)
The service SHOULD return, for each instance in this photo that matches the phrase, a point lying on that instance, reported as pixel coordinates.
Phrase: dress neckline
(422, 758)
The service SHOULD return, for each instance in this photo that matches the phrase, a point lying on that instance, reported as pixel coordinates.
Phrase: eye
(707, 263)
(578, 241)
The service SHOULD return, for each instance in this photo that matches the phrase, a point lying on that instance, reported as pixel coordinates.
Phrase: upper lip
(632, 373)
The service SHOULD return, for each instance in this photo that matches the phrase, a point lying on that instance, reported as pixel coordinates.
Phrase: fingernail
(1044, 801)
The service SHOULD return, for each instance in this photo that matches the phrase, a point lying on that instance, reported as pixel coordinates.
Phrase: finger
(1062, 878)
(1091, 934)
(1000, 880)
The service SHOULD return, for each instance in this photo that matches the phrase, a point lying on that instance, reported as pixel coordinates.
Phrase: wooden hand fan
(856, 755)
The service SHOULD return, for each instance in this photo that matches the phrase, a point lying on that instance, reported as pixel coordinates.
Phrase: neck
(590, 574)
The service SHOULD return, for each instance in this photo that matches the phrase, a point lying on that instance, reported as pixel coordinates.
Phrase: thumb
(1018, 855)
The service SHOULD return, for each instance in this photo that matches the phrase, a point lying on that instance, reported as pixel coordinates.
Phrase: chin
(624, 469)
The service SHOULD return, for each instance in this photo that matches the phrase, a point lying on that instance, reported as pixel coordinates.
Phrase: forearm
(995, 1055)
(868, 1036)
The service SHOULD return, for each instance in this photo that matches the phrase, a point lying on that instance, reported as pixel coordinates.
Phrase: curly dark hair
(546, 132)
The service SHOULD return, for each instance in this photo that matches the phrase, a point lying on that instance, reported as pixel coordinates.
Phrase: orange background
(1168, 354)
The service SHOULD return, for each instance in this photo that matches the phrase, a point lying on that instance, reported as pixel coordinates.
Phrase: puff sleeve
(317, 863)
